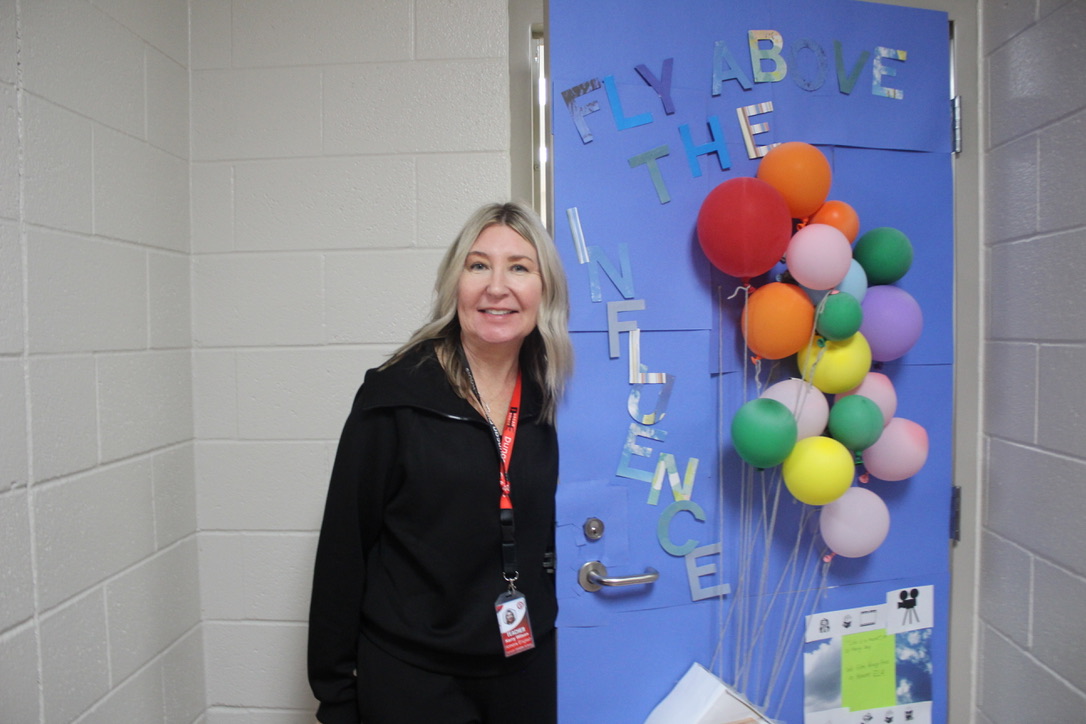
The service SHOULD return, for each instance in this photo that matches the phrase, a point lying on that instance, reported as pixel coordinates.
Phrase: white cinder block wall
(1032, 650)
(337, 147)
(99, 582)
(214, 216)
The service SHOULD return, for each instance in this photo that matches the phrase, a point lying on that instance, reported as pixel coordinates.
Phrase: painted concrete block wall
(337, 147)
(1033, 568)
(99, 579)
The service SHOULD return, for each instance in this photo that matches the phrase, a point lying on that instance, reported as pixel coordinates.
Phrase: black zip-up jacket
(410, 546)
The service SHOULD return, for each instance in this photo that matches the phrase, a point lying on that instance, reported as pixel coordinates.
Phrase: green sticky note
(867, 670)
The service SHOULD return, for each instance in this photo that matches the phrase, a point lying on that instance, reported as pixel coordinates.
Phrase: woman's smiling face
(500, 289)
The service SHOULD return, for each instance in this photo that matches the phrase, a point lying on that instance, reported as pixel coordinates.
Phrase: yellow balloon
(818, 470)
(836, 367)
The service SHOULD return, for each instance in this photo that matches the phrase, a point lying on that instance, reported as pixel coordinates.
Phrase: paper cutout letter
(648, 158)
(662, 525)
(631, 448)
(623, 282)
(621, 120)
(749, 129)
(771, 54)
(666, 466)
(659, 411)
(639, 374)
(881, 70)
(846, 81)
(716, 145)
(575, 230)
(725, 68)
(661, 85)
(615, 327)
(578, 112)
(695, 572)
(803, 80)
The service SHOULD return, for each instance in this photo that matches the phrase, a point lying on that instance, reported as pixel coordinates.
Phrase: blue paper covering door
(654, 105)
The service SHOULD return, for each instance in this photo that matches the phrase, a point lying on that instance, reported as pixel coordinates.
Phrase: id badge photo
(513, 623)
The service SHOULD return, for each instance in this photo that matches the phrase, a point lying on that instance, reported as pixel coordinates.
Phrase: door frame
(969, 307)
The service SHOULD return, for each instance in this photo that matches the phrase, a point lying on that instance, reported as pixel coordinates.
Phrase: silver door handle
(593, 577)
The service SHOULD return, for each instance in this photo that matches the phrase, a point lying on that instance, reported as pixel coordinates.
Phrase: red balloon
(744, 226)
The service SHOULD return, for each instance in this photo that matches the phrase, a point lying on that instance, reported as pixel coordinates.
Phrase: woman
(419, 565)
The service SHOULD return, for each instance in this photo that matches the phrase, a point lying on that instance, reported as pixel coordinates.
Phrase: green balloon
(856, 422)
(839, 316)
(764, 432)
(885, 254)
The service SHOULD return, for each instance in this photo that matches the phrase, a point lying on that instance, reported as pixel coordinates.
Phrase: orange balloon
(777, 320)
(839, 215)
(801, 173)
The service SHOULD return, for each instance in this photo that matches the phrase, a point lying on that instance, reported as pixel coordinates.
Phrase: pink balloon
(877, 387)
(900, 451)
(818, 256)
(855, 524)
(807, 403)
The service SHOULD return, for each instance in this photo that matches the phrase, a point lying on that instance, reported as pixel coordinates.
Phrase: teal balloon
(885, 254)
(839, 316)
(855, 422)
(855, 283)
(764, 432)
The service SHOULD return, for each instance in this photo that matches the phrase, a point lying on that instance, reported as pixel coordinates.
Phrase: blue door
(673, 548)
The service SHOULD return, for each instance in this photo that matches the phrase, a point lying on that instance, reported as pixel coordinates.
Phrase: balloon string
(769, 597)
(758, 386)
(746, 541)
(721, 619)
(794, 607)
(800, 604)
(741, 288)
(797, 580)
(808, 372)
(758, 625)
(816, 597)
(814, 325)
(746, 640)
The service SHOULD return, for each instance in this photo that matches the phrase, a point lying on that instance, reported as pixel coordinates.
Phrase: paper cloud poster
(872, 663)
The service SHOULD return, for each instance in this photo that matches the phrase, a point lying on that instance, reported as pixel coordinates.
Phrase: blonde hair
(546, 357)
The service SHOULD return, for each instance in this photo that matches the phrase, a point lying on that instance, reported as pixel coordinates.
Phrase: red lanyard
(504, 440)
(505, 445)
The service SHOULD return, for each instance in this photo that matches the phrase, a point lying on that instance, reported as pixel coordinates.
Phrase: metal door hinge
(956, 119)
(956, 513)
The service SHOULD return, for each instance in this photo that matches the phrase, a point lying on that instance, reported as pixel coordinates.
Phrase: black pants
(393, 692)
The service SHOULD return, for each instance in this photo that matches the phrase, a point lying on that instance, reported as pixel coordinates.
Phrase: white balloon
(855, 524)
(807, 403)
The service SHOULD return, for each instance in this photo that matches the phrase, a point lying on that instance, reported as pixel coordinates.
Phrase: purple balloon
(892, 321)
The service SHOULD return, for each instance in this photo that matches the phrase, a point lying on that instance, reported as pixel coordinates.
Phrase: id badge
(513, 623)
